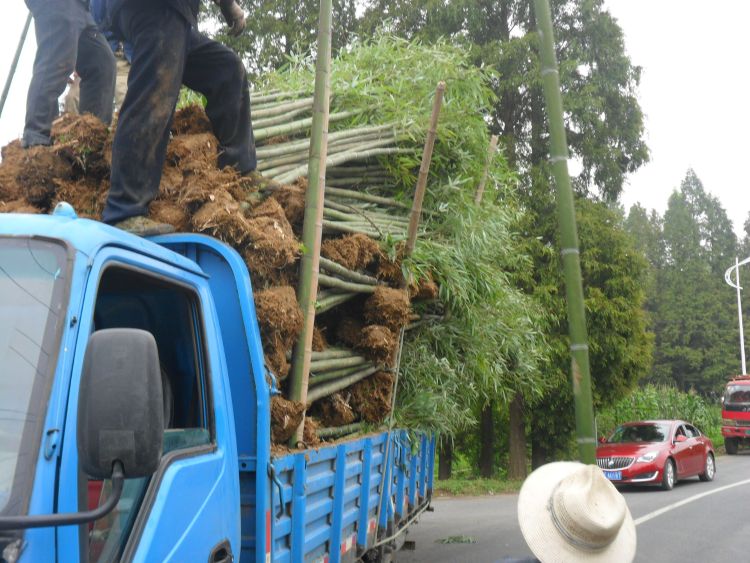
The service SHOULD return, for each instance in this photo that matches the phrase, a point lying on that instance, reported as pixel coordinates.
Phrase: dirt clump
(389, 269)
(318, 340)
(371, 397)
(425, 290)
(286, 416)
(271, 246)
(310, 432)
(87, 196)
(377, 343)
(191, 120)
(166, 211)
(18, 206)
(354, 252)
(389, 307)
(334, 410)
(223, 218)
(348, 331)
(81, 140)
(39, 173)
(198, 150)
(280, 321)
(291, 198)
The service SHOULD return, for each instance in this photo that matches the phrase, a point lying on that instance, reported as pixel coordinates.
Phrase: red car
(656, 452)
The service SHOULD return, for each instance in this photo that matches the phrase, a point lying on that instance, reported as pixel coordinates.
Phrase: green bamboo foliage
(312, 230)
(580, 372)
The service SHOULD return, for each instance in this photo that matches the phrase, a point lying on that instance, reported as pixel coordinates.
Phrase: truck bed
(325, 501)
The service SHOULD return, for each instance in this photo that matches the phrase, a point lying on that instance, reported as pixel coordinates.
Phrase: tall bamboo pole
(312, 229)
(424, 170)
(14, 64)
(490, 153)
(580, 373)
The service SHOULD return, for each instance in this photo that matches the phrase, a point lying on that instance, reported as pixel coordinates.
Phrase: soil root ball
(377, 343)
(286, 416)
(389, 307)
(18, 206)
(271, 243)
(223, 219)
(39, 174)
(388, 269)
(165, 211)
(280, 321)
(292, 199)
(425, 290)
(310, 432)
(334, 410)
(371, 397)
(87, 196)
(83, 140)
(354, 252)
(319, 342)
(348, 331)
(191, 120)
(199, 150)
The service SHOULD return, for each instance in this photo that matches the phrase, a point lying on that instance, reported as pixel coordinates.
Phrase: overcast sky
(695, 64)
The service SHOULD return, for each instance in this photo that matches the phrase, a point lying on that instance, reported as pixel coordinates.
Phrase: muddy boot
(143, 226)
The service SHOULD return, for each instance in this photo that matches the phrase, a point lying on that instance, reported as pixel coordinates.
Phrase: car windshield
(651, 432)
(33, 282)
(737, 395)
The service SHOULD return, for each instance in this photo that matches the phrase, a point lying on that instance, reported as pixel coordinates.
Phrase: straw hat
(570, 512)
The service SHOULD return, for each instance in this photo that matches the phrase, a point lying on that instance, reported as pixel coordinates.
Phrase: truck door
(184, 512)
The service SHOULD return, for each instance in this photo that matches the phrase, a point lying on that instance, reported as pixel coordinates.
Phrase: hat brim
(543, 537)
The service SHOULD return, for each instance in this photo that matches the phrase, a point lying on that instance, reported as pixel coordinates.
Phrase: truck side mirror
(120, 419)
(120, 410)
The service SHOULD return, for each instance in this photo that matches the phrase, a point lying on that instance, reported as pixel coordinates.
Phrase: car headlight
(728, 422)
(648, 456)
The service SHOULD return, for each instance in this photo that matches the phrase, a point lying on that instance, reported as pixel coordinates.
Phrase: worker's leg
(217, 72)
(57, 25)
(159, 36)
(96, 67)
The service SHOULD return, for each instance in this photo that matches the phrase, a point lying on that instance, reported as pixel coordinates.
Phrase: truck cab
(735, 413)
(214, 492)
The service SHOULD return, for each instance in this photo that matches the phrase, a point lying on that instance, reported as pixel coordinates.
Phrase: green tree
(620, 346)
(695, 317)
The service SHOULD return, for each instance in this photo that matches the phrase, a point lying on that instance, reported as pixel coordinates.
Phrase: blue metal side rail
(325, 501)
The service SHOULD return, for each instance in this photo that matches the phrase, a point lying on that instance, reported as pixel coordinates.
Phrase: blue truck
(135, 418)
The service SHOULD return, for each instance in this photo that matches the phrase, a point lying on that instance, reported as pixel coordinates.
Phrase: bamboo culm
(332, 301)
(340, 430)
(320, 391)
(336, 268)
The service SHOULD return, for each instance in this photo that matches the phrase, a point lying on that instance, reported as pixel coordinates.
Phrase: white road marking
(688, 500)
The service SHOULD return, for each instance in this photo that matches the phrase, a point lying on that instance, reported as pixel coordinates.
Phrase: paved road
(700, 522)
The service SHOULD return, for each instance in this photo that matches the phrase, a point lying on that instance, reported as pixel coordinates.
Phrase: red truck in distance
(735, 413)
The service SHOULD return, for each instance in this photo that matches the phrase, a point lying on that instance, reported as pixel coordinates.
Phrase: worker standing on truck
(168, 52)
(67, 39)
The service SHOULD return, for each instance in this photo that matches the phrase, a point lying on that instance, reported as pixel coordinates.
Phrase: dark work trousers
(168, 52)
(67, 39)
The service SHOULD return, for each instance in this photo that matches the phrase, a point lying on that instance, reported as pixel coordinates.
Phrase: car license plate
(613, 475)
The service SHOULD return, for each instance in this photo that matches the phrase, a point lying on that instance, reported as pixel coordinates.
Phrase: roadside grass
(476, 487)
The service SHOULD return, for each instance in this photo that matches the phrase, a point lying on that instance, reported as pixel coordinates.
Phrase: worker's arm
(233, 15)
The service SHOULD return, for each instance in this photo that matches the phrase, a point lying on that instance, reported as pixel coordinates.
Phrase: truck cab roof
(87, 236)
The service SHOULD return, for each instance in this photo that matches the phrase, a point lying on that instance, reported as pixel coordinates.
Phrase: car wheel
(730, 444)
(668, 476)
(710, 469)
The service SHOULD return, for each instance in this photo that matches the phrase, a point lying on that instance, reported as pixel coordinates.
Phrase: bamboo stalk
(344, 170)
(261, 123)
(580, 373)
(356, 152)
(335, 432)
(304, 144)
(284, 108)
(328, 354)
(349, 229)
(424, 169)
(360, 210)
(331, 301)
(300, 125)
(270, 97)
(337, 363)
(336, 268)
(353, 194)
(316, 379)
(320, 391)
(312, 228)
(272, 172)
(330, 281)
(490, 153)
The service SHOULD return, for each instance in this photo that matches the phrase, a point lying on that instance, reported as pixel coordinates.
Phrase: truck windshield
(33, 287)
(737, 395)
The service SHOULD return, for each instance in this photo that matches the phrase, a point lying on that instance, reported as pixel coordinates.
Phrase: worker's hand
(233, 15)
